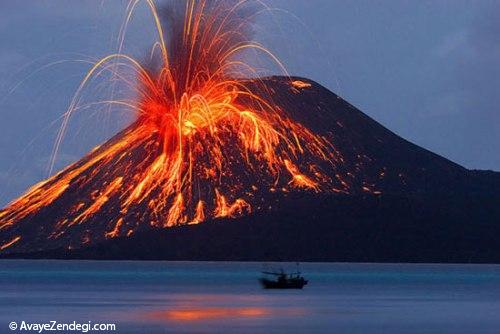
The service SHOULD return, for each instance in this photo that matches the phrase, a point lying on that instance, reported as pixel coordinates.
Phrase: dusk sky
(427, 70)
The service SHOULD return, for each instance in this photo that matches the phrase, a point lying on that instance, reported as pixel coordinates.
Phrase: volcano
(78, 209)
(207, 146)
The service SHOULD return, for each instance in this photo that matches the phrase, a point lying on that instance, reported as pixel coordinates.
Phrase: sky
(427, 70)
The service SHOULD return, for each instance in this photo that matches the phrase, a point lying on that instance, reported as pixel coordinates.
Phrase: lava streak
(205, 143)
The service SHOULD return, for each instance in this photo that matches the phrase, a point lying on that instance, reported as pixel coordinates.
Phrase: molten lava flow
(204, 143)
(300, 84)
(10, 243)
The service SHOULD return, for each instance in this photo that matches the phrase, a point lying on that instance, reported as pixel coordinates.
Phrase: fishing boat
(282, 280)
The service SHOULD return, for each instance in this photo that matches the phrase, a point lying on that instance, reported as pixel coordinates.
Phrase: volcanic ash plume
(205, 143)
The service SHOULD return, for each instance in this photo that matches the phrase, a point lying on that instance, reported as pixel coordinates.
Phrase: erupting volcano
(205, 143)
(212, 139)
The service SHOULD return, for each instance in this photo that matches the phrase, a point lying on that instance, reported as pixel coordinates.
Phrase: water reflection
(201, 307)
(211, 313)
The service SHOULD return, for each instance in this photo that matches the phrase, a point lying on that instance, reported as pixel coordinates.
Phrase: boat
(282, 280)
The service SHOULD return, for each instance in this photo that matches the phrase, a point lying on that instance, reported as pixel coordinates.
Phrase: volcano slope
(381, 198)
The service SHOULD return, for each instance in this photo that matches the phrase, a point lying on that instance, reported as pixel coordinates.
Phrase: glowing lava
(204, 144)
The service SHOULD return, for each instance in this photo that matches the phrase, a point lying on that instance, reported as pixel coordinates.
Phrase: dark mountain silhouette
(394, 201)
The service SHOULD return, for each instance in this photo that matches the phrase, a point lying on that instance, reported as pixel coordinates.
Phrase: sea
(225, 297)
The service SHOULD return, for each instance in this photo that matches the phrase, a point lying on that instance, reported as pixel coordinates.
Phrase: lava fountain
(207, 140)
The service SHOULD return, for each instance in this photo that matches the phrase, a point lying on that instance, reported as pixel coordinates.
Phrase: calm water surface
(224, 297)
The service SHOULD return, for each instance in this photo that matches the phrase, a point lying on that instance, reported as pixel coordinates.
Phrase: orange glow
(203, 135)
(100, 200)
(213, 313)
(10, 243)
(300, 180)
(200, 213)
(300, 84)
(115, 232)
(223, 209)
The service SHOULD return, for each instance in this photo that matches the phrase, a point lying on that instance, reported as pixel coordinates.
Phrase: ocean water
(225, 297)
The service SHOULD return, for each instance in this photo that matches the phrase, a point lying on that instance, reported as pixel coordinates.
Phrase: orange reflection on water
(208, 313)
